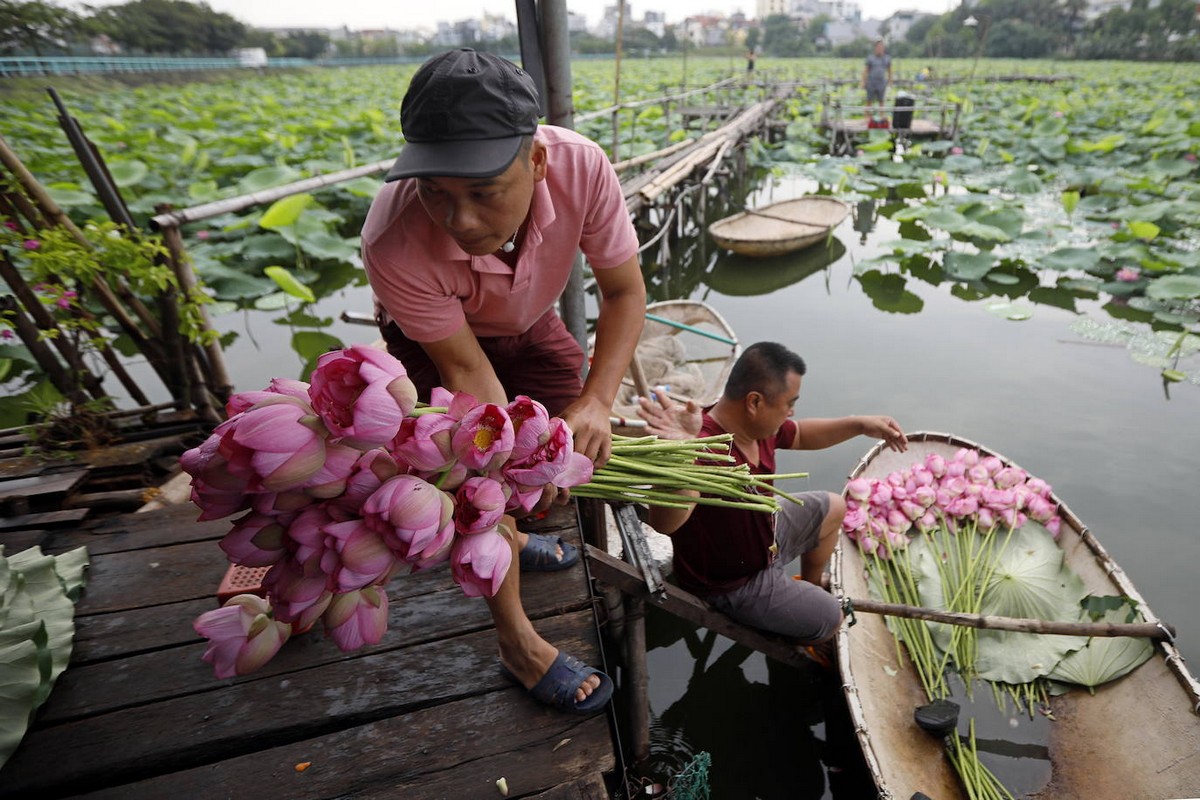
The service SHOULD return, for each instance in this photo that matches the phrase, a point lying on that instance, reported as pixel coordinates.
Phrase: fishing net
(691, 782)
(664, 362)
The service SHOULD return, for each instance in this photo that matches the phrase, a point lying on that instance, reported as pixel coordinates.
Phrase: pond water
(1116, 445)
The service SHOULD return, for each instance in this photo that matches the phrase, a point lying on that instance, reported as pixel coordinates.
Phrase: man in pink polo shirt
(467, 248)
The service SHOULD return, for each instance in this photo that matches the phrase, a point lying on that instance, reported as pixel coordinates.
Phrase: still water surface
(1085, 417)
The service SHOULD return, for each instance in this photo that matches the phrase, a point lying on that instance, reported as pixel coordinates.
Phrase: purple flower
(32, 244)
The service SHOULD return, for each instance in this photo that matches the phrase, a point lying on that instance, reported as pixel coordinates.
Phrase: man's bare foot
(529, 662)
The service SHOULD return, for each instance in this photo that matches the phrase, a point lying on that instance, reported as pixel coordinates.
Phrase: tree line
(1166, 30)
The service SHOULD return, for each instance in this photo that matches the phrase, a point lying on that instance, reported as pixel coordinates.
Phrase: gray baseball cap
(464, 116)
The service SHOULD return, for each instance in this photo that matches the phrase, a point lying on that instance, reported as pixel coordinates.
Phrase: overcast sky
(404, 14)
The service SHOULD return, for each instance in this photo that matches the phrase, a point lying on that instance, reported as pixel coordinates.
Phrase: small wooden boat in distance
(781, 227)
(1136, 736)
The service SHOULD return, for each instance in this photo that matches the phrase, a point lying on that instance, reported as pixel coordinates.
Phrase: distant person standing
(750, 56)
(877, 76)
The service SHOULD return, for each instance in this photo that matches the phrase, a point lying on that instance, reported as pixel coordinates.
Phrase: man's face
(481, 214)
(772, 412)
(878, 48)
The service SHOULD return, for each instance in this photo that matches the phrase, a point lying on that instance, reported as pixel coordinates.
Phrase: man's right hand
(668, 420)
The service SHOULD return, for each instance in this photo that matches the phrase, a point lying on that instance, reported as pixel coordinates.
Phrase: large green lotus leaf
(24, 670)
(128, 173)
(968, 266)
(1174, 287)
(6, 584)
(1105, 658)
(267, 177)
(285, 212)
(50, 602)
(72, 568)
(1070, 258)
(1030, 580)
(1017, 658)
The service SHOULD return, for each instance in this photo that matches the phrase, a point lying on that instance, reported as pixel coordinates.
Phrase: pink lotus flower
(1189, 157)
(956, 151)
(881, 494)
(1009, 477)
(423, 442)
(1038, 487)
(277, 444)
(935, 464)
(436, 551)
(553, 461)
(855, 518)
(32, 244)
(362, 394)
(409, 513)
(242, 635)
(926, 496)
(244, 401)
(330, 480)
(369, 472)
(480, 505)
(986, 519)
(202, 235)
(483, 440)
(294, 587)
(216, 490)
(363, 555)
(256, 540)
(1040, 509)
(357, 618)
(999, 498)
(1054, 525)
(480, 562)
(859, 489)
(1128, 274)
(966, 456)
(531, 426)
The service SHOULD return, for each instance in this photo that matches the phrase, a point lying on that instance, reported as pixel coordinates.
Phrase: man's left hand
(886, 428)
(588, 420)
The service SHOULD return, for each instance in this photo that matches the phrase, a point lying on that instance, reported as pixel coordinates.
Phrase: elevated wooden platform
(424, 714)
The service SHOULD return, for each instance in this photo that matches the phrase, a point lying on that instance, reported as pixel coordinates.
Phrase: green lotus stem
(424, 409)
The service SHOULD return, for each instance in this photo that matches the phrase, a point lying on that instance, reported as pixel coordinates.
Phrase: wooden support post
(187, 283)
(638, 678)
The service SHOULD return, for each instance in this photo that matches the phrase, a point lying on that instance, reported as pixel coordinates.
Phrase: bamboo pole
(1147, 630)
(173, 241)
(621, 166)
(639, 677)
(230, 205)
(616, 119)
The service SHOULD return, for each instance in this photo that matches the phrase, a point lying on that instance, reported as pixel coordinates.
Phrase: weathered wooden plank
(129, 532)
(258, 713)
(141, 578)
(16, 541)
(101, 637)
(589, 787)
(163, 671)
(682, 604)
(41, 486)
(418, 751)
(48, 519)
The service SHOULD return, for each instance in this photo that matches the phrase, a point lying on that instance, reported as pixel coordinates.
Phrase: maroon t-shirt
(718, 549)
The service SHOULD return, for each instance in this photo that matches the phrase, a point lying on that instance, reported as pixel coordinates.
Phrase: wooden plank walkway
(424, 714)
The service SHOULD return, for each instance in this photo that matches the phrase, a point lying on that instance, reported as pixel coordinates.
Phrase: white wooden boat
(1137, 736)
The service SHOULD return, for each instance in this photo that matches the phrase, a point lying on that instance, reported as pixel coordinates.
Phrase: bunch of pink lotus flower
(345, 481)
(881, 514)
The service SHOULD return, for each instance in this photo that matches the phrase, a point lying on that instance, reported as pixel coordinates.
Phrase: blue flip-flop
(558, 686)
(540, 554)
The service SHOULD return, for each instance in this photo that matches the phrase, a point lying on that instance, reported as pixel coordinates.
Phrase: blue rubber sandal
(540, 554)
(558, 686)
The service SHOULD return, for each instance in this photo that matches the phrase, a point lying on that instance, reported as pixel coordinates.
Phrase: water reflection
(772, 731)
(739, 276)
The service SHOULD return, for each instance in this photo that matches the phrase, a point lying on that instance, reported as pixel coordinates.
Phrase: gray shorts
(875, 94)
(773, 600)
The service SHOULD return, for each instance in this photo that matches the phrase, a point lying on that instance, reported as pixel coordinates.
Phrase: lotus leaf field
(1056, 192)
